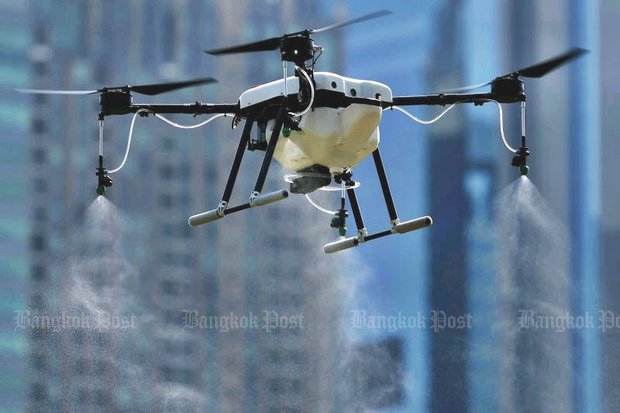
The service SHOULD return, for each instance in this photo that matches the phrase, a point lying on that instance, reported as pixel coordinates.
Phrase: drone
(319, 125)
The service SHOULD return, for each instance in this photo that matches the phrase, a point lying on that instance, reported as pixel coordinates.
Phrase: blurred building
(455, 168)
(14, 170)
(248, 262)
(486, 39)
(610, 213)
(450, 210)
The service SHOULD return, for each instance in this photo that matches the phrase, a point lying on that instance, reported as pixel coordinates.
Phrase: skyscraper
(14, 158)
(500, 277)
(253, 262)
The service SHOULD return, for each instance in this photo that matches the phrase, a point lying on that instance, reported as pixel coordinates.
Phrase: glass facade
(453, 170)
(14, 197)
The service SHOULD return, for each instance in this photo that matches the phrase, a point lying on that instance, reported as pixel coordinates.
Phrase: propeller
(274, 42)
(151, 89)
(535, 71)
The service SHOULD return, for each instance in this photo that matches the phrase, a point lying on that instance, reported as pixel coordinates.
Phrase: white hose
(501, 126)
(198, 125)
(320, 208)
(133, 121)
(436, 118)
(423, 122)
(303, 112)
(168, 121)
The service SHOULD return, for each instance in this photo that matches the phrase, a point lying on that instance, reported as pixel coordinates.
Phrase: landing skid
(256, 198)
(397, 227)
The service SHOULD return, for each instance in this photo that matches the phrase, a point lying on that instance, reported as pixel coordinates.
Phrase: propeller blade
(274, 42)
(541, 69)
(262, 45)
(158, 88)
(535, 71)
(58, 92)
(153, 89)
(370, 16)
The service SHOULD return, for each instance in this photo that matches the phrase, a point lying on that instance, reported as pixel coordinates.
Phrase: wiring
(133, 121)
(436, 118)
(317, 206)
(168, 121)
(501, 126)
(423, 122)
(303, 112)
(198, 125)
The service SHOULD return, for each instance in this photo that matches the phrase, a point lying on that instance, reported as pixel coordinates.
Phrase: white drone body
(337, 138)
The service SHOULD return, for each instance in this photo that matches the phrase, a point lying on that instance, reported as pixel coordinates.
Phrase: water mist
(532, 276)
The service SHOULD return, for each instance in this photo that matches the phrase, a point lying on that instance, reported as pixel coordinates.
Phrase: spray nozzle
(339, 221)
(103, 181)
(520, 160)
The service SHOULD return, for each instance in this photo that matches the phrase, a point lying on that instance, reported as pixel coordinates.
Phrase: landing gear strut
(338, 221)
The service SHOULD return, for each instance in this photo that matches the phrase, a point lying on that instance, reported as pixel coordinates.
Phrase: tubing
(133, 121)
(303, 112)
(501, 119)
(198, 125)
(423, 122)
(320, 208)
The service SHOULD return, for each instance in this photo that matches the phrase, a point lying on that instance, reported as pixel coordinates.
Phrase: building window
(81, 366)
(37, 334)
(167, 374)
(39, 126)
(39, 155)
(40, 214)
(37, 302)
(41, 99)
(38, 273)
(166, 171)
(101, 339)
(40, 68)
(275, 386)
(38, 243)
(169, 287)
(83, 396)
(172, 316)
(38, 392)
(169, 34)
(40, 184)
(166, 201)
(101, 368)
(39, 362)
(78, 336)
(103, 398)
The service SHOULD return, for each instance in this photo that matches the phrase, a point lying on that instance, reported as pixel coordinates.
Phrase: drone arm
(197, 108)
(449, 99)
